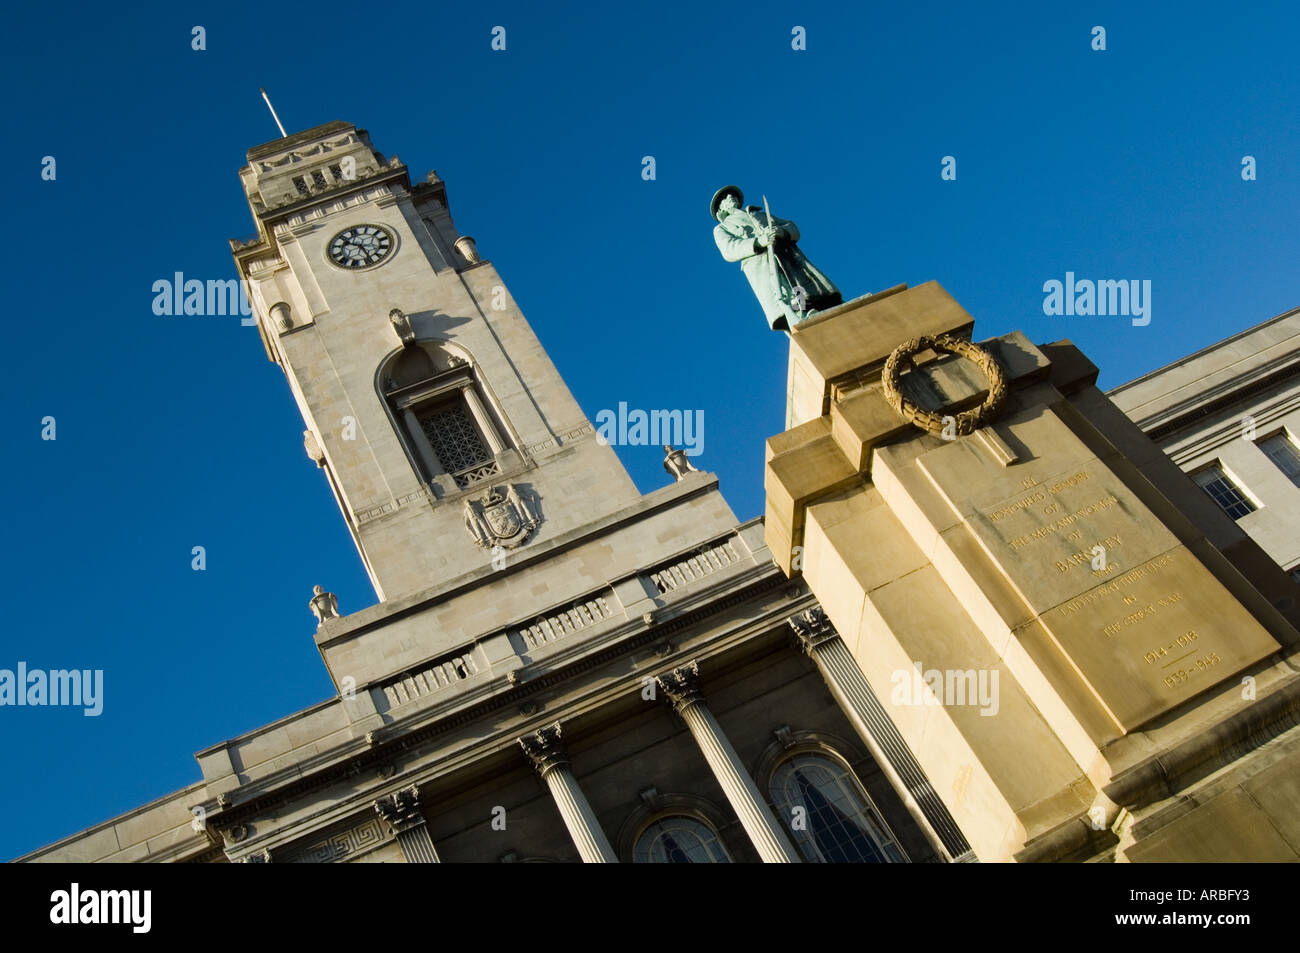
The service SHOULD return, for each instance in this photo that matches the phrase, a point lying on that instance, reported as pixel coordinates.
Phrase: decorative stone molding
(500, 517)
(324, 605)
(710, 559)
(682, 686)
(544, 750)
(401, 809)
(811, 627)
(298, 155)
(581, 615)
(369, 513)
(313, 448)
(968, 421)
(339, 846)
(402, 327)
(435, 676)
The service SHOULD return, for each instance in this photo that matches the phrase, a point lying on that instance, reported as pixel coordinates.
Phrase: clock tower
(446, 434)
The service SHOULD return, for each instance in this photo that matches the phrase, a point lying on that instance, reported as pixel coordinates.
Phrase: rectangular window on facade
(319, 178)
(1223, 490)
(1281, 449)
(300, 184)
(337, 173)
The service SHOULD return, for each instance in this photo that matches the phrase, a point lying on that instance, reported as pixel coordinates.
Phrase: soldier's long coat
(774, 287)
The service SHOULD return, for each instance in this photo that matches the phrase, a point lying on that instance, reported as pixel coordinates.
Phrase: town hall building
(559, 668)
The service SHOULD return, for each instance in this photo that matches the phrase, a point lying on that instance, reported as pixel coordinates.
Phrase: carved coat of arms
(500, 517)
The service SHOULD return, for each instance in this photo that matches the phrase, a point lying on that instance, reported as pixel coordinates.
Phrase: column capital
(543, 748)
(682, 686)
(401, 809)
(811, 628)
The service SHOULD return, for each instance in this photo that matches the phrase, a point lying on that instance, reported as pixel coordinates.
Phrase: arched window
(832, 819)
(679, 840)
(444, 422)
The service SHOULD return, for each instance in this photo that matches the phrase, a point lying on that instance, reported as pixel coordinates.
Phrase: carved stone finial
(677, 463)
(324, 605)
(402, 327)
(313, 448)
(468, 250)
(543, 748)
(401, 809)
(682, 686)
(283, 316)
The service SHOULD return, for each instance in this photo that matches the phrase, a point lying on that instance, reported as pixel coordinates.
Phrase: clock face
(360, 246)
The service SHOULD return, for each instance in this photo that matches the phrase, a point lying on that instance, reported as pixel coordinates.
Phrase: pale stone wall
(1212, 407)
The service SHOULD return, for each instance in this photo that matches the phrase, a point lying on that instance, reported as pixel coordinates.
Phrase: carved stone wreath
(966, 422)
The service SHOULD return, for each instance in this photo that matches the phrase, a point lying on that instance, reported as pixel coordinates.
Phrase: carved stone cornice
(682, 686)
(401, 809)
(543, 749)
(811, 628)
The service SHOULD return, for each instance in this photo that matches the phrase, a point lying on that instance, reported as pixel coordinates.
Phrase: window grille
(454, 437)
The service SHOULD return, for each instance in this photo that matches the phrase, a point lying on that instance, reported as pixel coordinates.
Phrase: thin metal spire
(283, 134)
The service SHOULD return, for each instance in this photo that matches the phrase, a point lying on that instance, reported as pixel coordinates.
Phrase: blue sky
(175, 432)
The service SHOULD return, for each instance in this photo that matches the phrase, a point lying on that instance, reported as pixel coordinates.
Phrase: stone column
(422, 446)
(480, 413)
(682, 686)
(544, 751)
(402, 812)
(815, 634)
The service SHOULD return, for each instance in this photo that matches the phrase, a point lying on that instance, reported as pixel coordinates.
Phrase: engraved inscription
(1156, 635)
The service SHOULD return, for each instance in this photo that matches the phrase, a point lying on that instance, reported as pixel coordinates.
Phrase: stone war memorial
(977, 514)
